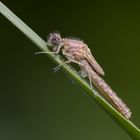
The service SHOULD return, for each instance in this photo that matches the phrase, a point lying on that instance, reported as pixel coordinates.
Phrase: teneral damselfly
(77, 51)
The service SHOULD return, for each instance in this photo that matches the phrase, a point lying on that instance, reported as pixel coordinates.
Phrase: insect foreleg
(43, 52)
(56, 50)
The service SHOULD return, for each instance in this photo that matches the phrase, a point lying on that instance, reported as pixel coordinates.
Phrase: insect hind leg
(82, 74)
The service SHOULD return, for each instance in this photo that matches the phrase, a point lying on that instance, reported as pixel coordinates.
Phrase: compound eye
(55, 41)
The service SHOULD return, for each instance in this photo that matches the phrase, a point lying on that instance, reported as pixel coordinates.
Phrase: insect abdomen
(106, 91)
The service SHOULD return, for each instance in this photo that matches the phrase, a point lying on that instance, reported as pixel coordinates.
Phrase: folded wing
(94, 64)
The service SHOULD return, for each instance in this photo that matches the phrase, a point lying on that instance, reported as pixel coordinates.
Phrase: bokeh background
(38, 104)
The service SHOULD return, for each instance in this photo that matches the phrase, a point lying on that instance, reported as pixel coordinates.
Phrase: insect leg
(91, 85)
(58, 67)
(66, 62)
(43, 52)
(54, 52)
(58, 48)
(82, 74)
(87, 73)
(71, 58)
(90, 82)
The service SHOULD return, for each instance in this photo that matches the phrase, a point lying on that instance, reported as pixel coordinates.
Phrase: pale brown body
(78, 52)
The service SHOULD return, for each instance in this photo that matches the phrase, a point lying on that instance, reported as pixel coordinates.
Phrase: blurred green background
(38, 104)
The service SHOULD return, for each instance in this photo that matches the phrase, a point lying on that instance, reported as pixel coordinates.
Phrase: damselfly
(77, 51)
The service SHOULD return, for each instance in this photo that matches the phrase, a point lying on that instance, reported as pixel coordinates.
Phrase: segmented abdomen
(106, 91)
